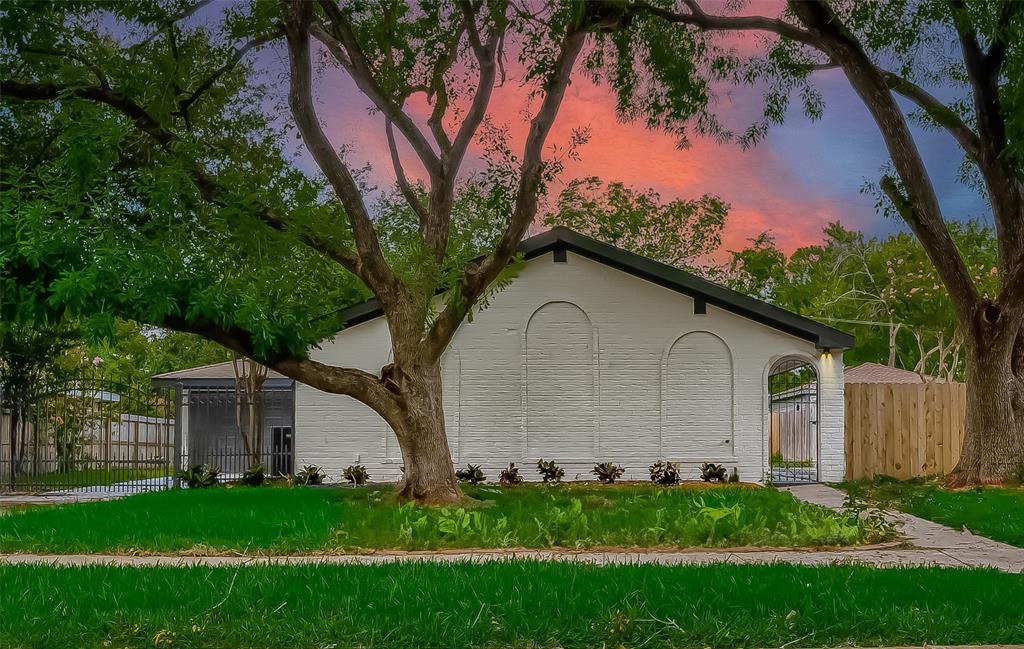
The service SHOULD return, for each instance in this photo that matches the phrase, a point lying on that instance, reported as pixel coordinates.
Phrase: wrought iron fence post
(178, 416)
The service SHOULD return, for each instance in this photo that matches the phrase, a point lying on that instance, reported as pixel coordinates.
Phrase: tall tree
(667, 61)
(683, 233)
(144, 123)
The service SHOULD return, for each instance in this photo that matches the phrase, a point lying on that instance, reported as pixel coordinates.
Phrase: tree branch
(209, 189)
(236, 57)
(358, 68)
(403, 181)
(373, 268)
(709, 22)
(479, 276)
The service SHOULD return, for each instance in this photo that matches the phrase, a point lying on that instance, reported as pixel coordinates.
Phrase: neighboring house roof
(214, 374)
(878, 373)
(661, 274)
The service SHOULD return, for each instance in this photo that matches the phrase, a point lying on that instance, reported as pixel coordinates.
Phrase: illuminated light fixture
(826, 353)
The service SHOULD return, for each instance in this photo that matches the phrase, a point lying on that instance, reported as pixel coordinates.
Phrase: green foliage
(665, 473)
(682, 233)
(277, 520)
(509, 476)
(310, 474)
(550, 472)
(607, 472)
(861, 284)
(471, 474)
(710, 472)
(356, 474)
(199, 476)
(254, 476)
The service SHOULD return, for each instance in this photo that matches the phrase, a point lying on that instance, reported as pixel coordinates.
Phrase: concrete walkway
(928, 544)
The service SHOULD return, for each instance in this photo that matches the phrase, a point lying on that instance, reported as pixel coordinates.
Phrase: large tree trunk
(429, 476)
(993, 447)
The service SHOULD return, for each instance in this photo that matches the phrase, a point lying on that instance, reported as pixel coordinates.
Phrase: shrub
(734, 476)
(356, 474)
(510, 476)
(199, 476)
(665, 473)
(255, 475)
(471, 474)
(607, 472)
(549, 471)
(310, 475)
(710, 472)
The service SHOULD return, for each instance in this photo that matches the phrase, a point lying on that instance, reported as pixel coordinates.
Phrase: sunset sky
(803, 175)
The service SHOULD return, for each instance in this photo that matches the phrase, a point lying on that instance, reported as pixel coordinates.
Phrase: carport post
(178, 415)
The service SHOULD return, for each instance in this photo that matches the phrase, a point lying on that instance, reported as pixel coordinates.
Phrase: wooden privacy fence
(903, 430)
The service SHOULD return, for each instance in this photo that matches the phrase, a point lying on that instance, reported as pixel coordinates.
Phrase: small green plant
(356, 474)
(199, 476)
(734, 476)
(510, 476)
(710, 472)
(311, 474)
(254, 476)
(471, 474)
(1018, 475)
(607, 472)
(665, 473)
(550, 472)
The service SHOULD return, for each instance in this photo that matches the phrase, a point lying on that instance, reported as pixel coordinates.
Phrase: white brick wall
(646, 389)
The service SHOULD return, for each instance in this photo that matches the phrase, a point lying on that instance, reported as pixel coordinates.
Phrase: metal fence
(793, 438)
(85, 434)
(94, 433)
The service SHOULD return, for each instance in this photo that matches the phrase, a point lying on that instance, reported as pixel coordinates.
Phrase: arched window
(560, 383)
(697, 399)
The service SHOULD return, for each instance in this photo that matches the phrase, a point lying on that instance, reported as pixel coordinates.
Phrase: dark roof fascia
(663, 275)
(220, 383)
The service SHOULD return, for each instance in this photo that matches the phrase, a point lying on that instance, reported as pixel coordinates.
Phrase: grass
(994, 512)
(278, 520)
(508, 604)
(84, 478)
(777, 460)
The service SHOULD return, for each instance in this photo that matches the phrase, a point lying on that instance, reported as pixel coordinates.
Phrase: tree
(682, 233)
(152, 140)
(666, 61)
(886, 291)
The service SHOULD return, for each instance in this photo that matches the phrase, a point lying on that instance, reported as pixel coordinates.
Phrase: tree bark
(993, 447)
(429, 475)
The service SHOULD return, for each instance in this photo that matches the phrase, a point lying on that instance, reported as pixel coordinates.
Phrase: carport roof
(214, 374)
(661, 274)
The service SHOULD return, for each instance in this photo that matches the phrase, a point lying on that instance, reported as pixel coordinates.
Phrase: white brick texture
(579, 362)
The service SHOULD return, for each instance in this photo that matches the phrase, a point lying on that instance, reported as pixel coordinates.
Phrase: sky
(792, 184)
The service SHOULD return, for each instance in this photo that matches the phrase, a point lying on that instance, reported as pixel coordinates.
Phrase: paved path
(932, 545)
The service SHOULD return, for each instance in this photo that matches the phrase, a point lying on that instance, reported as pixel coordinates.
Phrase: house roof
(878, 373)
(213, 374)
(661, 274)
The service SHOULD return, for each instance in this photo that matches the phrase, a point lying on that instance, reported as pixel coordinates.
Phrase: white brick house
(593, 354)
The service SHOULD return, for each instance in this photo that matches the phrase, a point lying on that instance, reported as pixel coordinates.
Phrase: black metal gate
(89, 433)
(793, 433)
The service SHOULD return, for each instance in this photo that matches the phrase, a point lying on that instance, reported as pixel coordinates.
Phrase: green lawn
(509, 604)
(997, 513)
(278, 520)
(84, 478)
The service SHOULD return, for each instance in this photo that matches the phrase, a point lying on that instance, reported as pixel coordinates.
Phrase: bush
(510, 476)
(710, 472)
(665, 473)
(607, 472)
(549, 471)
(199, 476)
(255, 475)
(356, 474)
(471, 474)
(310, 475)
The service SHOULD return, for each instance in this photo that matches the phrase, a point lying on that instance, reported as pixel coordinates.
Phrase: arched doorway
(793, 432)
